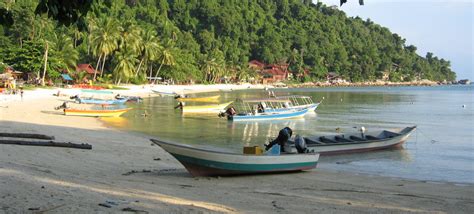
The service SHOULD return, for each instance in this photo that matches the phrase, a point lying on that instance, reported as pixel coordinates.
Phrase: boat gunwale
(185, 146)
(401, 135)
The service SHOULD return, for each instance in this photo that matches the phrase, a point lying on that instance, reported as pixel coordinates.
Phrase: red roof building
(86, 67)
(257, 65)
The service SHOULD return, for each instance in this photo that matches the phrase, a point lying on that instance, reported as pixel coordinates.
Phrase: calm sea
(442, 149)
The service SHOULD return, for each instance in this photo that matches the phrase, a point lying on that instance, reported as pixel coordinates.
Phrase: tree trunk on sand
(151, 71)
(97, 66)
(103, 65)
(158, 72)
(139, 66)
(45, 63)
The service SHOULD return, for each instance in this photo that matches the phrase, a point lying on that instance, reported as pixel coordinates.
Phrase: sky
(443, 27)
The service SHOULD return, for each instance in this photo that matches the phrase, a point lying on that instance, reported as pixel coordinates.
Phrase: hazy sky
(444, 27)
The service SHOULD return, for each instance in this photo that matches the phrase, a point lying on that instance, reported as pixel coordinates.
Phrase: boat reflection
(395, 154)
(118, 122)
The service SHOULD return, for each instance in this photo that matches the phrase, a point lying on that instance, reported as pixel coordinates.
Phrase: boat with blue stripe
(203, 162)
(101, 102)
(268, 115)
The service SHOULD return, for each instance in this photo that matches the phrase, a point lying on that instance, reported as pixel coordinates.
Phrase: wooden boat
(202, 162)
(268, 115)
(298, 101)
(101, 102)
(356, 142)
(199, 99)
(165, 93)
(286, 103)
(95, 112)
(214, 108)
(265, 109)
(97, 91)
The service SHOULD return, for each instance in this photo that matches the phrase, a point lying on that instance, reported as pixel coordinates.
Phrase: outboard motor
(300, 144)
(63, 106)
(283, 137)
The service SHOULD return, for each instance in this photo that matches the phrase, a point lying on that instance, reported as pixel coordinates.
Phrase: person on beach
(180, 105)
(21, 93)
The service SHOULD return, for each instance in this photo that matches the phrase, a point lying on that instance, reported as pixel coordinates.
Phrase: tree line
(204, 41)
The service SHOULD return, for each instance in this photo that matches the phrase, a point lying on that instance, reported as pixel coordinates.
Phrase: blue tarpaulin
(66, 77)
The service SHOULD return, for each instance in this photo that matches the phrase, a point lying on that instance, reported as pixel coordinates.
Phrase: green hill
(206, 40)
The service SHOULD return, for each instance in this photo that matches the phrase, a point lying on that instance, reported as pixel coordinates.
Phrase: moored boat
(268, 115)
(357, 142)
(95, 112)
(202, 162)
(101, 101)
(264, 109)
(165, 93)
(213, 108)
(199, 99)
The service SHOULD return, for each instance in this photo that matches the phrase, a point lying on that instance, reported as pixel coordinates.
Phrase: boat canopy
(275, 100)
(96, 91)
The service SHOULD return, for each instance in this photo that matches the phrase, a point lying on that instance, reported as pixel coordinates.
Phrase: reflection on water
(396, 154)
(118, 122)
(441, 149)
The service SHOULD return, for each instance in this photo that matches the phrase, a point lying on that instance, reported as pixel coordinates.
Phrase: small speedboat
(268, 115)
(213, 108)
(202, 162)
(101, 101)
(356, 142)
(95, 113)
(199, 99)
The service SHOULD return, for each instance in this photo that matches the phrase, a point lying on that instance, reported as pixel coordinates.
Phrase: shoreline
(127, 170)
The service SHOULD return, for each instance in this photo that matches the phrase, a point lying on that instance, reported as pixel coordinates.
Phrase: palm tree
(166, 58)
(104, 38)
(125, 62)
(66, 54)
(150, 49)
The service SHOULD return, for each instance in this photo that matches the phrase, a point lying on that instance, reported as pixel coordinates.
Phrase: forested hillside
(205, 40)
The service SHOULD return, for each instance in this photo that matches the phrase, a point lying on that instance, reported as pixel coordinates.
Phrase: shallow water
(442, 149)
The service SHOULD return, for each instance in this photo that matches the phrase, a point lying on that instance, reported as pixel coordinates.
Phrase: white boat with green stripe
(202, 162)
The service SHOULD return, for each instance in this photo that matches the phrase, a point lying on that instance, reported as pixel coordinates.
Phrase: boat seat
(355, 138)
(370, 137)
(326, 140)
(342, 139)
(312, 141)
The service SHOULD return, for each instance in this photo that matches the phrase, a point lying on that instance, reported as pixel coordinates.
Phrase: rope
(432, 140)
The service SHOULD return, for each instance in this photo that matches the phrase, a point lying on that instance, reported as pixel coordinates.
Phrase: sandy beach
(125, 172)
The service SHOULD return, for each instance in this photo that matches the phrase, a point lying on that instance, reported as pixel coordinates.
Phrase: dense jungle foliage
(203, 41)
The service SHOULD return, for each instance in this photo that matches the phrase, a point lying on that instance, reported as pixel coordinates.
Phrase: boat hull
(199, 99)
(165, 93)
(95, 113)
(200, 162)
(310, 107)
(363, 146)
(103, 102)
(206, 108)
(270, 116)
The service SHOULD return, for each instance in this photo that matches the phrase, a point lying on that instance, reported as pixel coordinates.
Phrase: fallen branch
(47, 143)
(27, 135)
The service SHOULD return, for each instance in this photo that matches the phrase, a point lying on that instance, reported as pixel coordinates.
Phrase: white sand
(63, 180)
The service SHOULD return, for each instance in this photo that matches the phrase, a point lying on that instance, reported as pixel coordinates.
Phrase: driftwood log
(27, 135)
(47, 143)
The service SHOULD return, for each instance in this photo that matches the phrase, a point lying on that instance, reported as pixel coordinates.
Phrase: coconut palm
(65, 54)
(150, 49)
(130, 38)
(125, 63)
(104, 38)
(166, 58)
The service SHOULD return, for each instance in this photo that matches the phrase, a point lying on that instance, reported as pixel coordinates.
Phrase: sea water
(442, 148)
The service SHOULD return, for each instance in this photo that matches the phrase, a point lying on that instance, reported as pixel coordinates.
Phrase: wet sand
(126, 172)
